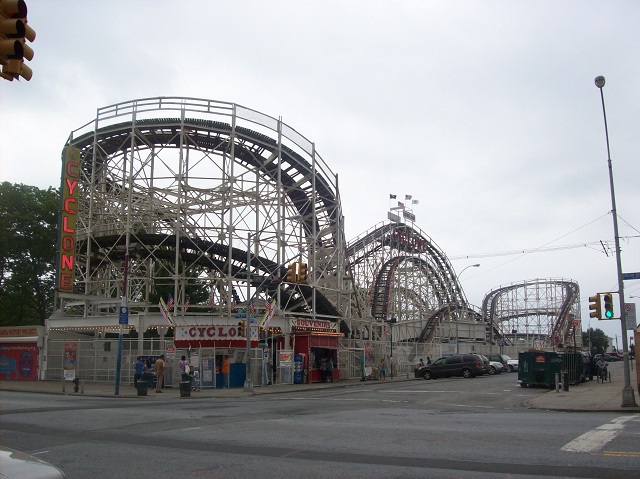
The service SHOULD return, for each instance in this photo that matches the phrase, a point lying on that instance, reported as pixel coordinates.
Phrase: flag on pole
(400, 204)
(187, 303)
(252, 309)
(414, 202)
(233, 304)
(164, 311)
(212, 303)
(393, 197)
(170, 302)
(407, 197)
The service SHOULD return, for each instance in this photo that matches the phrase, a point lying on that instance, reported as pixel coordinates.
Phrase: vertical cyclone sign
(67, 220)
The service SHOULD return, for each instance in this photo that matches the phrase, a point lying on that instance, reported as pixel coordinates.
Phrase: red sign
(19, 362)
(576, 322)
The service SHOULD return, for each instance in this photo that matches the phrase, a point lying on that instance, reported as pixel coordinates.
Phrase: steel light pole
(477, 265)
(248, 382)
(628, 397)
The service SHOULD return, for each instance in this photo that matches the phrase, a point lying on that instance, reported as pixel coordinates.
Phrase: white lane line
(599, 437)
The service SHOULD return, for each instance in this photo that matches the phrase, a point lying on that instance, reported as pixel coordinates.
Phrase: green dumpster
(538, 368)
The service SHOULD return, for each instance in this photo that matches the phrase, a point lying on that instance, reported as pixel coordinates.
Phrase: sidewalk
(589, 396)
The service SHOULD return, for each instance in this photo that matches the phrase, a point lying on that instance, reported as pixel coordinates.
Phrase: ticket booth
(318, 341)
(213, 343)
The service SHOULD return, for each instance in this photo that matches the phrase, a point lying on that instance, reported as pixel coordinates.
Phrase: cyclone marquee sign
(67, 220)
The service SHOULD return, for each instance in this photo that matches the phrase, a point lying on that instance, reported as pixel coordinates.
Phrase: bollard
(557, 382)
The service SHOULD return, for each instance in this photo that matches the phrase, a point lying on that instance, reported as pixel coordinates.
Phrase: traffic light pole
(628, 397)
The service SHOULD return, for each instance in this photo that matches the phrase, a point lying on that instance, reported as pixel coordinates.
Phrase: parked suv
(465, 365)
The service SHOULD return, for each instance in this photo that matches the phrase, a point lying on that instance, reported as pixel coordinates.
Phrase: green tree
(29, 222)
(599, 340)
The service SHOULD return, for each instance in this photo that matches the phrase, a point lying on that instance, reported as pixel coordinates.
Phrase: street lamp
(457, 320)
(248, 383)
(628, 398)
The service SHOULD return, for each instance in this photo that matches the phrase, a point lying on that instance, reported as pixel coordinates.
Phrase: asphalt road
(445, 428)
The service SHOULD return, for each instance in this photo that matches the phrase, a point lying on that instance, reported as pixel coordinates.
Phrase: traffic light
(14, 32)
(291, 273)
(595, 310)
(241, 328)
(302, 272)
(607, 300)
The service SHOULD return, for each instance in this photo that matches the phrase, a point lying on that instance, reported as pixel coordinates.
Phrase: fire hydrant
(76, 384)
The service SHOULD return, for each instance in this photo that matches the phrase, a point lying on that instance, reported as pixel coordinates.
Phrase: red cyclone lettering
(71, 185)
(211, 332)
(71, 173)
(65, 225)
(192, 332)
(67, 208)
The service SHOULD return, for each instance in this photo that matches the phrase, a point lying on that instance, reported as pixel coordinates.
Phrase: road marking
(596, 439)
(191, 428)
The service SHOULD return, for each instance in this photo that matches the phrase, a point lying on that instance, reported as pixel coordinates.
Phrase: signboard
(124, 315)
(70, 361)
(67, 219)
(171, 352)
(576, 323)
(628, 276)
(630, 312)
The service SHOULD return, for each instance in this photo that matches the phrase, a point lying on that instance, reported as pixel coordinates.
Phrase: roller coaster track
(386, 250)
(308, 189)
(561, 311)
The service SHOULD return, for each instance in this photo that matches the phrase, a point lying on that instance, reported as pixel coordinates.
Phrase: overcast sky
(484, 111)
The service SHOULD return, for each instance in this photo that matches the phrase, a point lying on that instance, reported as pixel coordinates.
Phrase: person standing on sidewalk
(226, 370)
(184, 369)
(330, 369)
(137, 374)
(383, 370)
(159, 367)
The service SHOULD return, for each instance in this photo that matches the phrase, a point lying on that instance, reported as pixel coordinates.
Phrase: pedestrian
(330, 369)
(159, 367)
(184, 369)
(428, 360)
(146, 372)
(421, 363)
(323, 370)
(383, 370)
(226, 369)
(195, 380)
(137, 375)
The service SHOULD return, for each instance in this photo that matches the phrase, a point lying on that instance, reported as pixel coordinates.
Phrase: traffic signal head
(241, 329)
(595, 311)
(14, 32)
(607, 302)
(302, 272)
(291, 273)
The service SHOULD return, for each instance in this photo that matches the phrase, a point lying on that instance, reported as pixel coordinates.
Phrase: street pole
(477, 265)
(248, 383)
(628, 397)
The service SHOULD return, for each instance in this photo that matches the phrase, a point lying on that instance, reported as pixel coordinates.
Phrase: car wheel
(466, 373)
(492, 370)
(427, 375)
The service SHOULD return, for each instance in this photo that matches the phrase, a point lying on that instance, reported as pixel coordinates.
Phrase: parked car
(509, 364)
(465, 365)
(616, 356)
(19, 465)
(608, 358)
(495, 367)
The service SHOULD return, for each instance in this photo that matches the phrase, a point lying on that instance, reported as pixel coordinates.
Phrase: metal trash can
(142, 388)
(185, 389)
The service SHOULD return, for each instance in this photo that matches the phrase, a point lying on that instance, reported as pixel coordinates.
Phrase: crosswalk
(595, 439)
